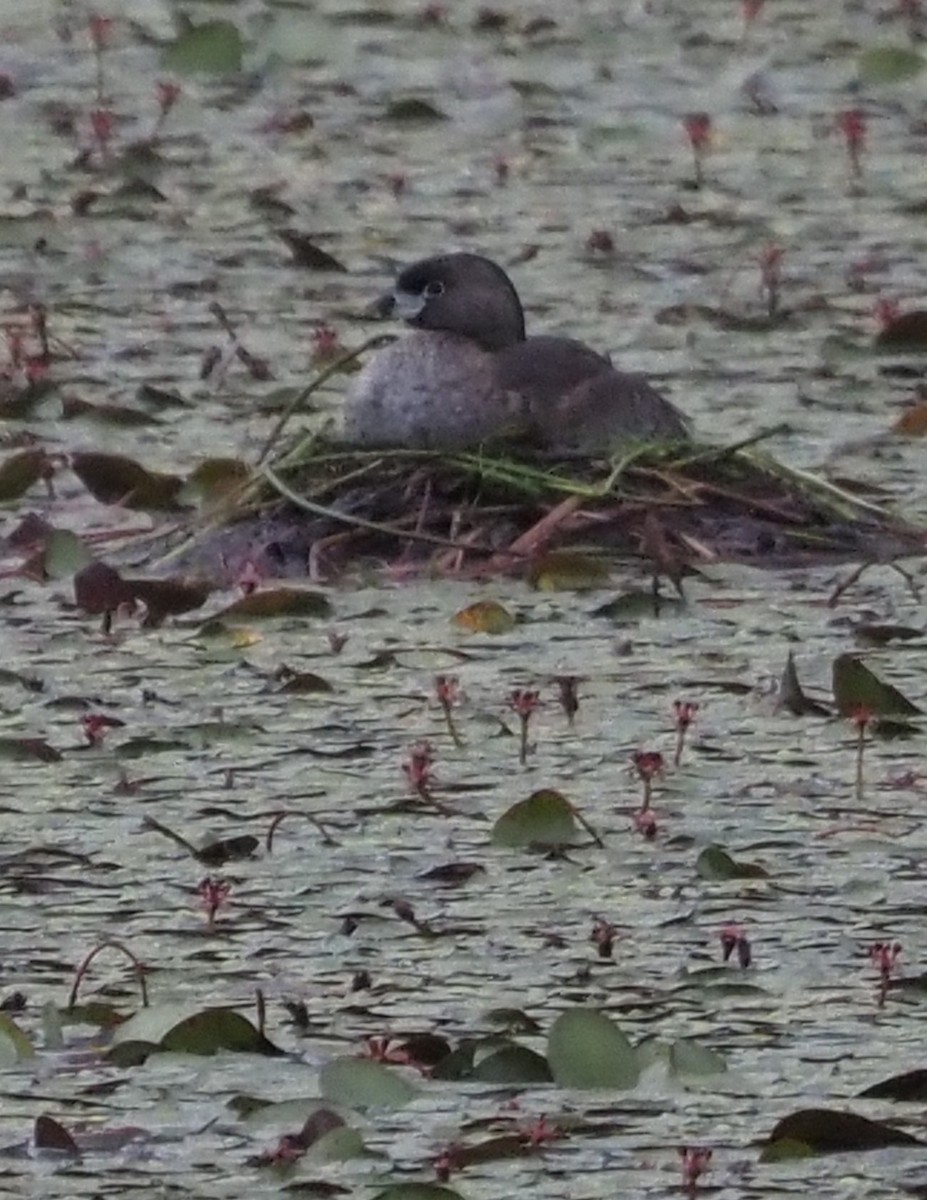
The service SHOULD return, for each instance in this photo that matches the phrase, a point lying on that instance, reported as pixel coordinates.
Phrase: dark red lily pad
(168, 597)
(114, 479)
(49, 1134)
(911, 1085)
(28, 749)
(99, 589)
(907, 331)
(307, 254)
(822, 1131)
(413, 108)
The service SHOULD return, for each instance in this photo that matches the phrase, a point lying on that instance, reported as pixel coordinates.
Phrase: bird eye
(434, 287)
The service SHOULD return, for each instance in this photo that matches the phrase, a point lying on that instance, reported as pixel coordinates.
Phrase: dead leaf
(114, 479)
(20, 471)
(563, 570)
(26, 749)
(215, 479)
(49, 1134)
(278, 602)
(913, 421)
(907, 331)
(99, 589)
(307, 254)
(413, 108)
(168, 597)
(485, 616)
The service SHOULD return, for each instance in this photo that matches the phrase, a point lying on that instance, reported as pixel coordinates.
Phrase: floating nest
(319, 507)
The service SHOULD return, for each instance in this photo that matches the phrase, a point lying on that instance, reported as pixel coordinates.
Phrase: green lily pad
(636, 605)
(889, 64)
(689, 1057)
(19, 472)
(413, 108)
(585, 1049)
(510, 1063)
(173, 1027)
(545, 819)
(15, 1046)
(64, 555)
(361, 1083)
(855, 688)
(215, 47)
(714, 862)
(338, 1145)
(564, 570)
(786, 1149)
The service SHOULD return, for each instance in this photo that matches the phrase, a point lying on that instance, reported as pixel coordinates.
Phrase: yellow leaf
(913, 421)
(486, 616)
(241, 639)
(563, 570)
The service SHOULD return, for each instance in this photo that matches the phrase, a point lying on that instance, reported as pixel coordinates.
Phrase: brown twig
(88, 959)
(327, 839)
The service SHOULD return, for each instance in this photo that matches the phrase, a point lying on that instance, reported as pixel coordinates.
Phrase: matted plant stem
(91, 955)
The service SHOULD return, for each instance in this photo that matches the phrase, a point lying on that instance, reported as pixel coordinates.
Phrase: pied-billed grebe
(468, 374)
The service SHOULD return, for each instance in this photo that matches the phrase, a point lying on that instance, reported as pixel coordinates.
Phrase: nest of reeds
(314, 504)
(325, 505)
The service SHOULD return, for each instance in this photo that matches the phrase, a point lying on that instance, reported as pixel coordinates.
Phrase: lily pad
(561, 570)
(64, 555)
(19, 472)
(585, 1049)
(278, 602)
(636, 605)
(510, 1063)
(214, 47)
(338, 1145)
(413, 108)
(889, 64)
(173, 1027)
(546, 818)
(905, 333)
(115, 479)
(28, 749)
(214, 480)
(689, 1057)
(486, 616)
(168, 597)
(362, 1084)
(49, 1134)
(911, 1085)
(99, 588)
(821, 1131)
(714, 862)
(14, 1044)
(856, 688)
